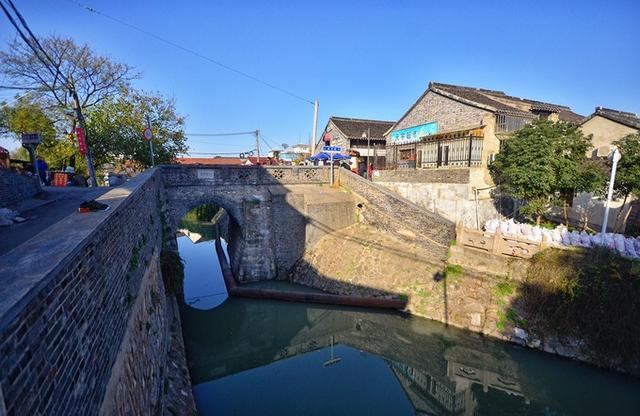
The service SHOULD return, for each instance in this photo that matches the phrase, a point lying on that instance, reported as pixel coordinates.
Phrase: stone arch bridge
(275, 212)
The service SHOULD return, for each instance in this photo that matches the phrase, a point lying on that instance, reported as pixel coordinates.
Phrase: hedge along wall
(82, 310)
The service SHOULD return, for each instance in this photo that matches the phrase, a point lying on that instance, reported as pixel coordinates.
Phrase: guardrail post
(497, 242)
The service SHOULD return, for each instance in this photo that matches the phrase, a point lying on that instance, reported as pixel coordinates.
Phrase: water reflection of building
(428, 395)
(437, 379)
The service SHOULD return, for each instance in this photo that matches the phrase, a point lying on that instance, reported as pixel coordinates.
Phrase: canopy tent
(327, 156)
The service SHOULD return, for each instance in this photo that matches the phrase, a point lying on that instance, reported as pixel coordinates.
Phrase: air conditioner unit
(603, 151)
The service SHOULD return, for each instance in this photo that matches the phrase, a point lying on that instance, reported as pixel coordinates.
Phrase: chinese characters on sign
(82, 143)
(414, 134)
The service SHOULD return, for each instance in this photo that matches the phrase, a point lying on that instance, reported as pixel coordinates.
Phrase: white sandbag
(556, 237)
(491, 225)
(525, 231)
(574, 236)
(585, 240)
(547, 236)
(504, 227)
(608, 241)
(566, 240)
(536, 234)
(619, 242)
(513, 228)
(630, 247)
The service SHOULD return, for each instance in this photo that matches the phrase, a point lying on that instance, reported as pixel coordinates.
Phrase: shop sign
(31, 138)
(414, 134)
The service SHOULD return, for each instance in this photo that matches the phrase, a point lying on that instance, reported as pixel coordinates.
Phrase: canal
(261, 357)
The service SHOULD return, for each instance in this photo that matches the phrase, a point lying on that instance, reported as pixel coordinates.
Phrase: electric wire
(191, 51)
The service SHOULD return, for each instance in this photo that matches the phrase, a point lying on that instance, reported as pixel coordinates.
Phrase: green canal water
(259, 357)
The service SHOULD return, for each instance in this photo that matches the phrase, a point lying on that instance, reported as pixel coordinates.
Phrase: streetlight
(615, 157)
(367, 135)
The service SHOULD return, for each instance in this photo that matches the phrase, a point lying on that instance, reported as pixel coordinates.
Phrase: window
(509, 124)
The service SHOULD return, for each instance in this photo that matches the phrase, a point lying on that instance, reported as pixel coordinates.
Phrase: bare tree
(67, 75)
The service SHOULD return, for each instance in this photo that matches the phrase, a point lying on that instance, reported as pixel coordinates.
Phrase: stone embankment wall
(14, 187)
(400, 217)
(447, 192)
(83, 314)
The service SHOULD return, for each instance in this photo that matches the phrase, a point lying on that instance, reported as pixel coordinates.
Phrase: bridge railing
(181, 175)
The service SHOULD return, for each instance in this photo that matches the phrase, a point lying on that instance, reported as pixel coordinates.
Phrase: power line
(191, 51)
(213, 153)
(236, 133)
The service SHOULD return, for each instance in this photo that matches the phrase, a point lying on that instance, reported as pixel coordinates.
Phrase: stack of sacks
(560, 236)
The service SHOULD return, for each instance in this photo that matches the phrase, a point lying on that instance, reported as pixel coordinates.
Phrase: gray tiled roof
(353, 127)
(628, 119)
(495, 100)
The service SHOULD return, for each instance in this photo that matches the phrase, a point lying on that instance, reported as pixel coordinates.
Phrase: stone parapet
(14, 187)
(80, 294)
(443, 175)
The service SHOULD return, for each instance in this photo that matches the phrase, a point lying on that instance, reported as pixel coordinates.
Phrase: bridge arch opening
(195, 236)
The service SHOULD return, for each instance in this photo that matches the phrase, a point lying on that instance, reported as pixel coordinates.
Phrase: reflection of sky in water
(204, 286)
(359, 384)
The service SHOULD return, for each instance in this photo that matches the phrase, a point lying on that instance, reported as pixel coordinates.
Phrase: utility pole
(258, 144)
(80, 118)
(315, 127)
(615, 157)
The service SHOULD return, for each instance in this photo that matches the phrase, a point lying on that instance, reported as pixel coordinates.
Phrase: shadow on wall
(290, 249)
(581, 304)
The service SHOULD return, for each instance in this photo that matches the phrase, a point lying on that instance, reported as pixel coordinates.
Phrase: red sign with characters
(82, 143)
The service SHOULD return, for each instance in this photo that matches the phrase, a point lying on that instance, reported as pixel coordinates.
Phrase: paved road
(54, 205)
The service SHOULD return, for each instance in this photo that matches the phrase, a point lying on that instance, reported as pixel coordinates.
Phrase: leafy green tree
(70, 77)
(544, 163)
(116, 126)
(29, 117)
(628, 174)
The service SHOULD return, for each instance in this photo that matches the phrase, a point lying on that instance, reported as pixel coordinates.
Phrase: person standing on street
(42, 170)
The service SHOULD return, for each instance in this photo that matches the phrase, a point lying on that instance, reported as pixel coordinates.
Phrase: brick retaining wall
(83, 295)
(14, 187)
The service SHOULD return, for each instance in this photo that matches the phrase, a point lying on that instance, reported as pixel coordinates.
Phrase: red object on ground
(82, 142)
(60, 179)
(83, 210)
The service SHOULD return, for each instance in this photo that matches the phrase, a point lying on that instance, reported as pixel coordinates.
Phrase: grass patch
(453, 271)
(503, 289)
(591, 295)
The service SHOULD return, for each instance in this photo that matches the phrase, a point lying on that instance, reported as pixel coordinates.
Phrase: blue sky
(360, 59)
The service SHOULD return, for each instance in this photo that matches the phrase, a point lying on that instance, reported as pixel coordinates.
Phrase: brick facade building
(456, 126)
(358, 137)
